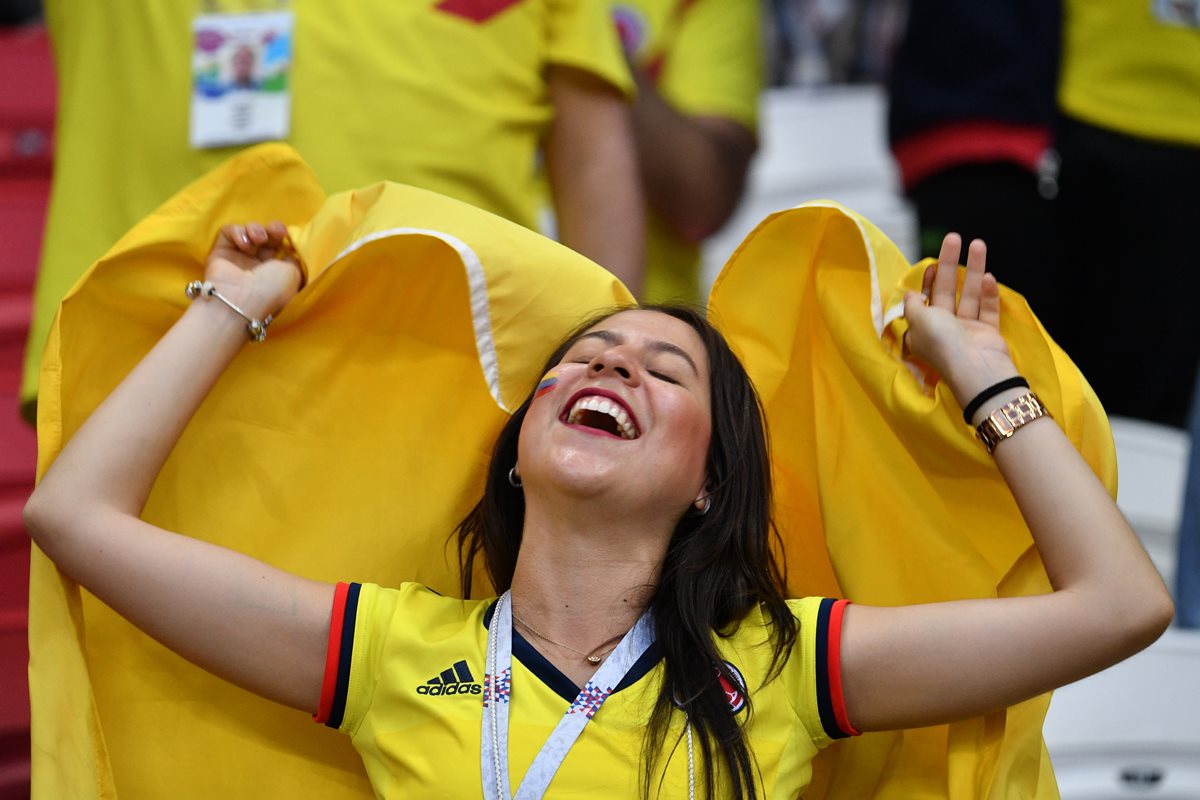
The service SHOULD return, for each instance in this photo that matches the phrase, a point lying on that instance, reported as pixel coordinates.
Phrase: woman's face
(628, 414)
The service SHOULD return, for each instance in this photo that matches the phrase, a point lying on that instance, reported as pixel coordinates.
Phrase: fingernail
(924, 298)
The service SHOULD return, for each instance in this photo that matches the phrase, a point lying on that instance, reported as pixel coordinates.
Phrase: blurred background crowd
(651, 135)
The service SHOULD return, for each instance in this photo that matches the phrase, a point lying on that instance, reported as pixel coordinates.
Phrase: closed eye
(578, 355)
(662, 376)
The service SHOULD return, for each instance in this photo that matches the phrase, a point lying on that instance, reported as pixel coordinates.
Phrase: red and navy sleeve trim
(831, 703)
(332, 707)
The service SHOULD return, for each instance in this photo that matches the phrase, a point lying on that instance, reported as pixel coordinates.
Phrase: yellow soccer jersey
(448, 95)
(405, 679)
(705, 57)
(1133, 66)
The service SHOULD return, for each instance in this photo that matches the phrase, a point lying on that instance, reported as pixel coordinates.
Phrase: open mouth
(602, 413)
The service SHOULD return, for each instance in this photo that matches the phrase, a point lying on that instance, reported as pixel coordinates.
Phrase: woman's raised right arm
(261, 628)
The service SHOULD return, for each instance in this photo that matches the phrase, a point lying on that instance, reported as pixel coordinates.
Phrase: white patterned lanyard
(497, 692)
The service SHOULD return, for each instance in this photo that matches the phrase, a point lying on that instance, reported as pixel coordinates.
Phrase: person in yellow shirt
(447, 95)
(699, 66)
(408, 688)
(1129, 142)
(625, 515)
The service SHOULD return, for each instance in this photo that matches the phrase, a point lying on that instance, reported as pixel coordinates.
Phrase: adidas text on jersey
(455, 680)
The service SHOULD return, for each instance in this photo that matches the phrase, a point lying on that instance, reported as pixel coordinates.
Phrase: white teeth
(603, 406)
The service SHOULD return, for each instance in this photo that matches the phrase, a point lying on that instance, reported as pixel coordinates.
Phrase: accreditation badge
(241, 67)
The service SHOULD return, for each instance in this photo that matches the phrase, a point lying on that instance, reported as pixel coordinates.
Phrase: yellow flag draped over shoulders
(882, 493)
(347, 446)
(350, 443)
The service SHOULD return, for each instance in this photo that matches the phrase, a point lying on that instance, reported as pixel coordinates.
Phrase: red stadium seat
(26, 159)
(27, 104)
(22, 213)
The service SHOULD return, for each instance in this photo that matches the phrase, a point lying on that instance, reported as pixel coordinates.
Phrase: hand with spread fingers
(959, 339)
(255, 266)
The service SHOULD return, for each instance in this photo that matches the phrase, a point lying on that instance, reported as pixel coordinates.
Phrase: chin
(580, 476)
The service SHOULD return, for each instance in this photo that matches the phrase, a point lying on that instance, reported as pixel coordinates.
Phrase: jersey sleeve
(714, 63)
(582, 35)
(813, 673)
(359, 625)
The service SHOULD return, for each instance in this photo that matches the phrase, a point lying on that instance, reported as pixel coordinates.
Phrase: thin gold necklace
(592, 656)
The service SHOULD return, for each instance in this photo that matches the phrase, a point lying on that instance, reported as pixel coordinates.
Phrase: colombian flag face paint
(547, 385)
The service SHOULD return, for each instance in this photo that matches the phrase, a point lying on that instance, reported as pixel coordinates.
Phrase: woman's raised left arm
(920, 665)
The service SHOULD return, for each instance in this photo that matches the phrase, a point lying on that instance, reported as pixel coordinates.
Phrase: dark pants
(999, 203)
(1126, 276)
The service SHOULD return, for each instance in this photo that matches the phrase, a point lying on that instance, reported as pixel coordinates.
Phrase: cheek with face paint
(546, 385)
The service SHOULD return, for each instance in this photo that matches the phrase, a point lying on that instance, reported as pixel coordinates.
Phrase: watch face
(1004, 421)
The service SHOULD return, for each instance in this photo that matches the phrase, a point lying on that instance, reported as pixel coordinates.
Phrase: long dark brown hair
(717, 568)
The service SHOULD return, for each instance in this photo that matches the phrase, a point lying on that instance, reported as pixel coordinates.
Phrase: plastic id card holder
(241, 88)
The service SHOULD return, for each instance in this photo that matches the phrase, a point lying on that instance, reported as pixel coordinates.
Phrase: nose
(614, 360)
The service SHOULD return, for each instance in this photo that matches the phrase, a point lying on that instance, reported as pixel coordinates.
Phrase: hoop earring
(514, 479)
(703, 510)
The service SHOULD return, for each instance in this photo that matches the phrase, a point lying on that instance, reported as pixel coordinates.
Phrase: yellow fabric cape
(350, 443)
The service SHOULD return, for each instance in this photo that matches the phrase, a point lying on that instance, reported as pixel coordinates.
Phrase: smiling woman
(675, 519)
(626, 522)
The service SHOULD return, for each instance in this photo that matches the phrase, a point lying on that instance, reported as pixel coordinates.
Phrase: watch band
(1004, 421)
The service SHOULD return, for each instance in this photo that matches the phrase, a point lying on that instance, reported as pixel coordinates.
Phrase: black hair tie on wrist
(990, 392)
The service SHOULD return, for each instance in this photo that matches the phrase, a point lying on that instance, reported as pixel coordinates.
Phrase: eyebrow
(659, 346)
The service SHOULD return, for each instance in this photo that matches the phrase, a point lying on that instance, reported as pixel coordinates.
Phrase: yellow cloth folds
(349, 444)
(882, 494)
(416, 92)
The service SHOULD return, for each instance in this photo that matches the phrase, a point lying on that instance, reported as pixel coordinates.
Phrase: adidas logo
(456, 680)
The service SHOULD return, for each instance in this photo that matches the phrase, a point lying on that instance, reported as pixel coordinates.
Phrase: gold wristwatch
(1004, 421)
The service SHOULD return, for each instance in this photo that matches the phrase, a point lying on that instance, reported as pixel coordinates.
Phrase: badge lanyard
(497, 693)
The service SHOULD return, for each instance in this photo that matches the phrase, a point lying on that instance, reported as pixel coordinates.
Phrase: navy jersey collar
(553, 678)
